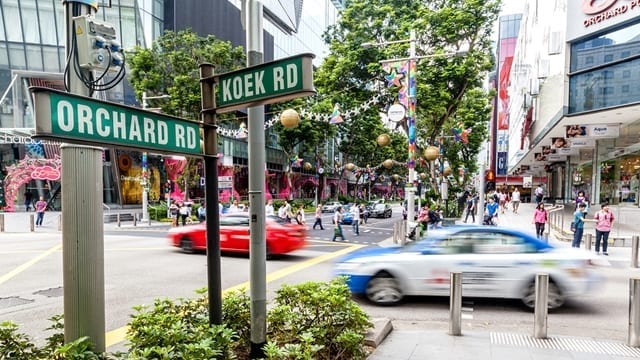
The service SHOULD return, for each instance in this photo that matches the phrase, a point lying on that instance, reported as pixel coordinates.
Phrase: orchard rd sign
(79, 119)
(266, 83)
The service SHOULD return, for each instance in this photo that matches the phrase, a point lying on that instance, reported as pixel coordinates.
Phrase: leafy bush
(312, 320)
(317, 317)
(14, 345)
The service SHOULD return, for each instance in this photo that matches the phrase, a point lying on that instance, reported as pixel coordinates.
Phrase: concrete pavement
(432, 342)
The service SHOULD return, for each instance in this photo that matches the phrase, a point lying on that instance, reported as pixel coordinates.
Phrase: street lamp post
(144, 183)
(411, 111)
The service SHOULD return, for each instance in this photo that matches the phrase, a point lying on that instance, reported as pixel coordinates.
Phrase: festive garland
(336, 117)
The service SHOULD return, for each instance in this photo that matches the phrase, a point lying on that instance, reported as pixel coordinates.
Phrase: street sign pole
(212, 214)
(257, 161)
(82, 223)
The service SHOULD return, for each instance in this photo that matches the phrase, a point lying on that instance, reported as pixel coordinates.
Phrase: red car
(234, 235)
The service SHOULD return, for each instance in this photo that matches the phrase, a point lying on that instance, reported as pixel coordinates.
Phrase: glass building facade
(32, 53)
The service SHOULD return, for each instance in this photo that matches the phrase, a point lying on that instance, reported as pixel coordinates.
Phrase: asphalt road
(140, 266)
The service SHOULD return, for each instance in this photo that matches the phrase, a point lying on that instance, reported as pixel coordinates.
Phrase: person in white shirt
(515, 200)
(355, 222)
(268, 209)
(233, 208)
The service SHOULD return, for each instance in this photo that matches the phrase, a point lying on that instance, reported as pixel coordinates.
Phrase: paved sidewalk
(24, 222)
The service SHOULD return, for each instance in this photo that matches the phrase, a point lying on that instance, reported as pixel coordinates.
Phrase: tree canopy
(449, 87)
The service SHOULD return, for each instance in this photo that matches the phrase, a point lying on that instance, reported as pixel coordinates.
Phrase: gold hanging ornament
(383, 140)
(289, 118)
(388, 164)
(431, 153)
(308, 166)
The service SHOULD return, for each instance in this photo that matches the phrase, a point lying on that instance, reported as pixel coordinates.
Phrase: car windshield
(234, 220)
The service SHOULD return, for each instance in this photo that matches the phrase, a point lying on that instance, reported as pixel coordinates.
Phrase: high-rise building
(575, 117)
(32, 54)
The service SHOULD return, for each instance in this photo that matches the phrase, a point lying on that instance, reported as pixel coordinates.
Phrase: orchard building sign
(606, 10)
(588, 17)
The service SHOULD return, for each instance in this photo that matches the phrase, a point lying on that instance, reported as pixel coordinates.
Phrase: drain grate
(8, 302)
(569, 344)
(51, 292)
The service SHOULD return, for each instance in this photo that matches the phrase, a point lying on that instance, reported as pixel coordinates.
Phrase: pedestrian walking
(337, 219)
(41, 207)
(578, 221)
(540, 217)
(539, 193)
(300, 219)
(355, 223)
(365, 213)
(28, 197)
(202, 213)
(471, 208)
(318, 216)
(185, 212)
(515, 200)
(502, 201)
(604, 221)
(268, 209)
(581, 198)
(173, 212)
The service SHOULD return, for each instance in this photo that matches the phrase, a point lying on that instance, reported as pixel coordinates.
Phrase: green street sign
(266, 83)
(78, 119)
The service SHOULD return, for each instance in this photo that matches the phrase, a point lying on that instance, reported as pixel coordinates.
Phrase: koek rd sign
(79, 119)
(266, 83)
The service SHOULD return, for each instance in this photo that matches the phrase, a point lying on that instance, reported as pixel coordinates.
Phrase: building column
(595, 175)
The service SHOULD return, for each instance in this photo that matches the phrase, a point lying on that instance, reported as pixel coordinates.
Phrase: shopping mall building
(573, 99)
(32, 54)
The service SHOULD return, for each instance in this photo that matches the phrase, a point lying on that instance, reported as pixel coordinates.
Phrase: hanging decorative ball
(431, 153)
(383, 140)
(446, 171)
(423, 176)
(350, 166)
(388, 164)
(307, 166)
(395, 177)
(289, 118)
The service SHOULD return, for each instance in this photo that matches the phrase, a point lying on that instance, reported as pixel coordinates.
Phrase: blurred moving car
(380, 211)
(494, 262)
(350, 215)
(331, 207)
(281, 237)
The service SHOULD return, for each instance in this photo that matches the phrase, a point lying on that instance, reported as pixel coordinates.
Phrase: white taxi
(494, 262)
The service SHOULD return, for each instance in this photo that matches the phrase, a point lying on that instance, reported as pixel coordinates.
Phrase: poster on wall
(540, 157)
(527, 182)
(603, 131)
(574, 131)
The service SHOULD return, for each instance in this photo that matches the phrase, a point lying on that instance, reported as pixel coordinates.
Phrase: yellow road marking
(118, 335)
(28, 264)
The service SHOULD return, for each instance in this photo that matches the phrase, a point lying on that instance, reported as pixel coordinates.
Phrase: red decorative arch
(26, 170)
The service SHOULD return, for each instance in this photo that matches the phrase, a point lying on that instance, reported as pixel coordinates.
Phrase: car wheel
(556, 300)
(384, 289)
(186, 244)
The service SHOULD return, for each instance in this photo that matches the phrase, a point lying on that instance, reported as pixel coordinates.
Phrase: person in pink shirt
(41, 207)
(540, 217)
(604, 220)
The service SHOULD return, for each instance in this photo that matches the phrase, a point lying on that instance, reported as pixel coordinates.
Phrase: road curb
(381, 329)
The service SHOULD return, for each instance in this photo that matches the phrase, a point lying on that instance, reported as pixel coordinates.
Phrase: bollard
(1, 222)
(60, 222)
(395, 233)
(541, 306)
(588, 242)
(135, 219)
(32, 224)
(633, 338)
(634, 251)
(455, 304)
(118, 219)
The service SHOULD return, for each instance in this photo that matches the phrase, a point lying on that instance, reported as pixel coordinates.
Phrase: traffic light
(490, 181)
(167, 187)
